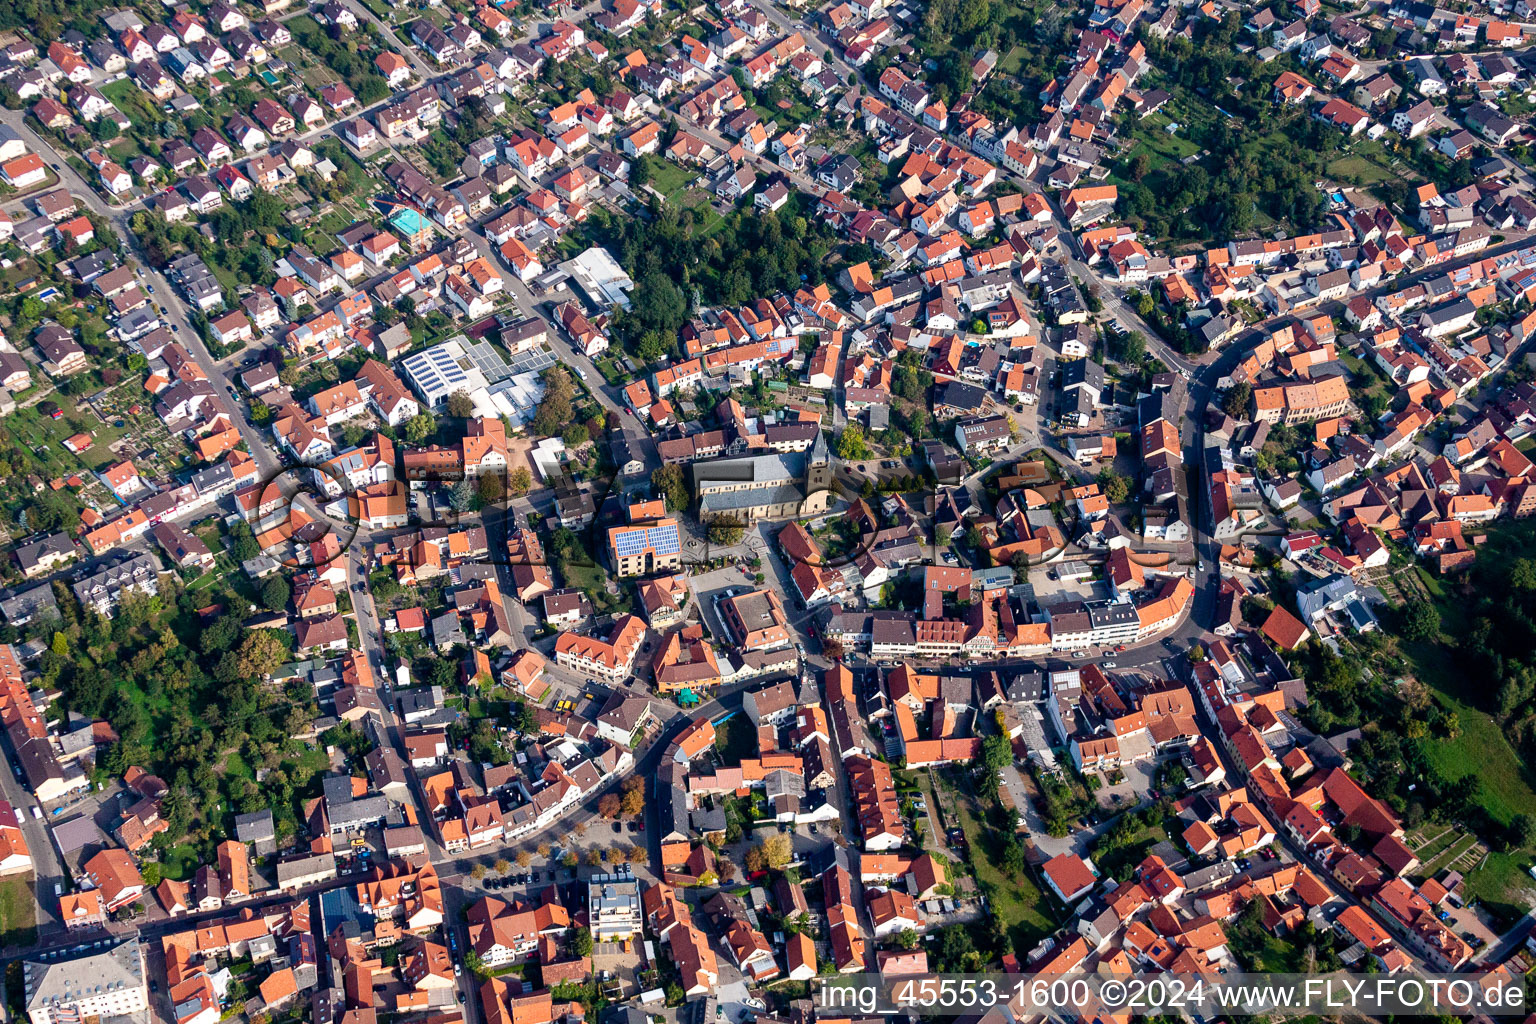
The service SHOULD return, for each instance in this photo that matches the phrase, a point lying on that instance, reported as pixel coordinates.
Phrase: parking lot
(1052, 591)
(617, 968)
(1136, 787)
(707, 586)
(1469, 925)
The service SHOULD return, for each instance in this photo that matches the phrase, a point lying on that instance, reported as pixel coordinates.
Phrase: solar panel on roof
(663, 539)
(630, 543)
(535, 360)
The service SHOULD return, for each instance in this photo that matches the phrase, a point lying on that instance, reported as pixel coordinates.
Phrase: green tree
(726, 530)
(656, 305)
(554, 413)
(519, 481)
(1421, 621)
(581, 942)
(461, 405)
(261, 652)
(463, 495)
(672, 483)
(1114, 486)
(851, 444)
(420, 427)
(1522, 831)
(651, 347)
(275, 593)
(1133, 347)
(1235, 402)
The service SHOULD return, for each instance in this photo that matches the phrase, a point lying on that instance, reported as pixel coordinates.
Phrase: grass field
(46, 435)
(1480, 747)
(1152, 134)
(18, 912)
(117, 92)
(1367, 164)
(669, 178)
(1012, 61)
(179, 863)
(736, 740)
(1016, 901)
(1506, 783)
(1503, 885)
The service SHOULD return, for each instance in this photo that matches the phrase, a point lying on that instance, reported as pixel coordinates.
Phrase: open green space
(1359, 169)
(736, 739)
(45, 435)
(1012, 61)
(669, 178)
(1151, 133)
(1481, 748)
(1303, 951)
(1118, 854)
(1502, 883)
(1016, 901)
(180, 863)
(119, 92)
(18, 911)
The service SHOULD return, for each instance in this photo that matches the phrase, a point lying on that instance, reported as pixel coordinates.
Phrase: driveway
(1130, 793)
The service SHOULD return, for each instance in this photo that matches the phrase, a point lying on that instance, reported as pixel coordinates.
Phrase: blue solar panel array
(630, 543)
(663, 539)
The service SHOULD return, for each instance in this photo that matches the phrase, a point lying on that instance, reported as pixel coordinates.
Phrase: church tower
(818, 466)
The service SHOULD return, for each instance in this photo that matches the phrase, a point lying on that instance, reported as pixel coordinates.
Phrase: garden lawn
(591, 580)
(669, 178)
(736, 740)
(1502, 884)
(1480, 748)
(1432, 866)
(1132, 853)
(118, 92)
(47, 435)
(1016, 901)
(179, 863)
(1367, 164)
(1011, 63)
(18, 911)
(1152, 134)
